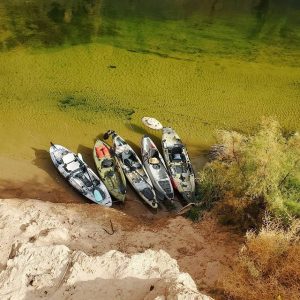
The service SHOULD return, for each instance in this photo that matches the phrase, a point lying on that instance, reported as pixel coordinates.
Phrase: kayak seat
(128, 162)
(68, 158)
(175, 157)
(107, 163)
(176, 154)
(72, 166)
(70, 163)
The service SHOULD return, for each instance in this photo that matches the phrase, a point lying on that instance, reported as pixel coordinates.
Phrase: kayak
(178, 163)
(72, 167)
(110, 170)
(134, 170)
(152, 123)
(156, 168)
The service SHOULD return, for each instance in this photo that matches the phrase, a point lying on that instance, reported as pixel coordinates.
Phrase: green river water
(70, 70)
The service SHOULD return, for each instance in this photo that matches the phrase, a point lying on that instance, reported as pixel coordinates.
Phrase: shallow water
(70, 70)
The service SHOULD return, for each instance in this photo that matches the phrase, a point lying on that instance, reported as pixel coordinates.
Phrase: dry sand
(205, 250)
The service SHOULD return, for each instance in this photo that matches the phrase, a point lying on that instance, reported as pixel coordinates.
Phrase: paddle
(97, 194)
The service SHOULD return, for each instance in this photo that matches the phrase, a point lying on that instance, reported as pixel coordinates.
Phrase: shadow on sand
(105, 289)
(43, 161)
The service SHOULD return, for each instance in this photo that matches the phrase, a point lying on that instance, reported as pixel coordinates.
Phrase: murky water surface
(70, 70)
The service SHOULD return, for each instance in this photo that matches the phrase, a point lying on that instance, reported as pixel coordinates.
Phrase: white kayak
(134, 170)
(79, 175)
(178, 163)
(152, 123)
(156, 168)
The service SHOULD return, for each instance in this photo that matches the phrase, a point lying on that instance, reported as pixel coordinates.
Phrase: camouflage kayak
(109, 170)
(134, 170)
(178, 163)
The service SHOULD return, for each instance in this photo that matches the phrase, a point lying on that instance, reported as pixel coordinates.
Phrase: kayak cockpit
(176, 154)
(107, 163)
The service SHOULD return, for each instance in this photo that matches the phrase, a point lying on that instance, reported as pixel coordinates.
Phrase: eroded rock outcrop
(44, 265)
(56, 272)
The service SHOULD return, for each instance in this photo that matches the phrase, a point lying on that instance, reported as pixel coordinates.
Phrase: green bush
(262, 166)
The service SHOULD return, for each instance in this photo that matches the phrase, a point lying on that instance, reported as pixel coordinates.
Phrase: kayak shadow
(87, 154)
(59, 186)
(43, 161)
(100, 136)
(136, 128)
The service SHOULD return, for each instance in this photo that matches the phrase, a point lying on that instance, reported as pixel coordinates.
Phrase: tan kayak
(178, 163)
(109, 170)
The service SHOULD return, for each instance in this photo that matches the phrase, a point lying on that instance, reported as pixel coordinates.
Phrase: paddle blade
(98, 196)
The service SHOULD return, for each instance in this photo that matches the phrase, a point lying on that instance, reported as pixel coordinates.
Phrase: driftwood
(185, 209)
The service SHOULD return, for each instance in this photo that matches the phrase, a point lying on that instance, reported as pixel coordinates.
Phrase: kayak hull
(79, 175)
(134, 170)
(110, 170)
(156, 168)
(178, 163)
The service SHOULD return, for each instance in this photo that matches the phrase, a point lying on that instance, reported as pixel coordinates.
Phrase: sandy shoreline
(38, 179)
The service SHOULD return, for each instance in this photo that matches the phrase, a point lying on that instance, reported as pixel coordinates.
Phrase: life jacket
(102, 151)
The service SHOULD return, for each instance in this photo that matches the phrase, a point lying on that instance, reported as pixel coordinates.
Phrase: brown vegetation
(268, 265)
(243, 214)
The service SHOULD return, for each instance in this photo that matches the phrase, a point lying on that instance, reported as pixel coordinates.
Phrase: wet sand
(39, 179)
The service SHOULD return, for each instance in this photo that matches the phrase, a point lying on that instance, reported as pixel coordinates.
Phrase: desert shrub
(264, 166)
(268, 266)
(242, 213)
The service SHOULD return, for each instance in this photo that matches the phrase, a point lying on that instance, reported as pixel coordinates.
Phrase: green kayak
(109, 170)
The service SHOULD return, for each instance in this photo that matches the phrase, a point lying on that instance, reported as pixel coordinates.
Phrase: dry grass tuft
(268, 265)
